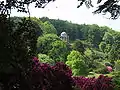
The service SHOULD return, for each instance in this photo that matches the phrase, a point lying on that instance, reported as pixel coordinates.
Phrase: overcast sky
(67, 10)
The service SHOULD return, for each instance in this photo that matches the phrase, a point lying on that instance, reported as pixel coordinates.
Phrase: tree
(117, 65)
(44, 43)
(21, 6)
(114, 53)
(111, 45)
(94, 35)
(38, 24)
(59, 51)
(76, 62)
(108, 38)
(92, 57)
(20, 43)
(17, 49)
(79, 46)
(102, 46)
(43, 58)
(45, 27)
(48, 28)
(109, 6)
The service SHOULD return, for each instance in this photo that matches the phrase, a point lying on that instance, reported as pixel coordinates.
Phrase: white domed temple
(64, 36)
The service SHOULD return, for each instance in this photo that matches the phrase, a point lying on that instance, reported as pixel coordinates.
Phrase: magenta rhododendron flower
(35, 59)
(109, 68)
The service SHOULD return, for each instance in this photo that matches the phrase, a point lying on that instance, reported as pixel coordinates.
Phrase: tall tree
(108, 38)
(44, 43)
(94, 35)
(114, 53)
(79, 46)
(49, 28)
(45, 59)
(17, 48)
(59, 51)
(76, 62)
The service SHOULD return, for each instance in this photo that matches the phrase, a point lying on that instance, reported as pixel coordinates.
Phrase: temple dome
(63, 34)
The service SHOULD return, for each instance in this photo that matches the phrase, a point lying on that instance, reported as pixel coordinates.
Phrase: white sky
(67, 10)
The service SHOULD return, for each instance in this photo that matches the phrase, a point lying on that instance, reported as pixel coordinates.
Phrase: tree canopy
(109, 6)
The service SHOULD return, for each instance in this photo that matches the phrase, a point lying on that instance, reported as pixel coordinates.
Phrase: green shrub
(76, 63)
(101, 68)
(45, 59)
(116, 79)
(117, 65)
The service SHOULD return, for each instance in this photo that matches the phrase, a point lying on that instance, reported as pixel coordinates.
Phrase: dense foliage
(98, 48)
(21, 39)
(91, 49)
(76, 61)
(43, 58)
(44, 43)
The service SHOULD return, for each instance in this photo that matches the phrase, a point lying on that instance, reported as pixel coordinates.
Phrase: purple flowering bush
(100, 83)
(59, 77)
(43, 76)
(46, 77)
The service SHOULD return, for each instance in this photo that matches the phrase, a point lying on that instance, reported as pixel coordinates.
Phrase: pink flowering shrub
(100, 83)
(46, 77)
(43, 76)
(109, 68)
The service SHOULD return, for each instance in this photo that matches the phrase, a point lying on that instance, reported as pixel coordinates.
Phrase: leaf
(90, 3)
(78, 6)
(99, 1)
(87, 5)
(49, 1)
